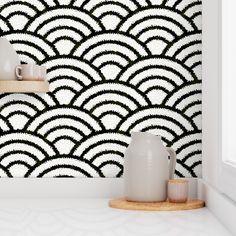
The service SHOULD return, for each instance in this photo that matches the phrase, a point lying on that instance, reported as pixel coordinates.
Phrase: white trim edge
(69, 187)
(60, 187)
(219, 204)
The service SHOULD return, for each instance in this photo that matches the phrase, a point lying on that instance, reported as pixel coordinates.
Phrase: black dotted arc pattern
(114, 67)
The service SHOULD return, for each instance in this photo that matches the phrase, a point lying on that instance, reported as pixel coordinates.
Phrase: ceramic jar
(147, 168)
(8, 60)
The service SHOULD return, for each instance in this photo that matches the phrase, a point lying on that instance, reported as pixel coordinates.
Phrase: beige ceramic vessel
(9, 60)
(147, 168)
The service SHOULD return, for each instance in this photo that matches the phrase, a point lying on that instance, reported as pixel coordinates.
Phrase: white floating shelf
(14, 86)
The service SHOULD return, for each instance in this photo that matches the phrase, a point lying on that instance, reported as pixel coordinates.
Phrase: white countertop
(92, 217)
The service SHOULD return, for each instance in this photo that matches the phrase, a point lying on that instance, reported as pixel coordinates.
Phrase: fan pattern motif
(114, 67)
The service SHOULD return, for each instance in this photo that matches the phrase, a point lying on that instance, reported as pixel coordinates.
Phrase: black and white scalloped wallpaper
(114, 66)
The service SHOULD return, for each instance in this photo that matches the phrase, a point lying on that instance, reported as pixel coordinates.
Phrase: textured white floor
(75, 217)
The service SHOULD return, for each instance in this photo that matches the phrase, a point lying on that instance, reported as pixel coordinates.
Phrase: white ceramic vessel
(8, 60)
(147, 168)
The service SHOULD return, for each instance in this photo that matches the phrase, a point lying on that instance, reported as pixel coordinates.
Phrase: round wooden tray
(121, 203)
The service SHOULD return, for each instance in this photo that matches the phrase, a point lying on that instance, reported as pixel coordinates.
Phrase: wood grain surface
(121, 203)
(14, 86)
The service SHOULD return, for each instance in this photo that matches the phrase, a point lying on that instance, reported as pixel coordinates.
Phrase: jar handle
(18, 71)
(172, 163)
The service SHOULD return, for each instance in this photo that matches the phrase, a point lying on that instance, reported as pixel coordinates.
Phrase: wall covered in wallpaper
(114, 66)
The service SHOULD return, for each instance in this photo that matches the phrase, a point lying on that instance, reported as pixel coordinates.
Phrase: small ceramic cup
(43, 72)
(31, 72)
(27, 72)
(178, 190)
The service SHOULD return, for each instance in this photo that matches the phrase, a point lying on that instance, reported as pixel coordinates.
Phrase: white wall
(211, 88)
